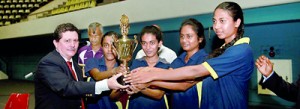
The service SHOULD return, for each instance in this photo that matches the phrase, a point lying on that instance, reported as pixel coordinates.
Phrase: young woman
(186, 94)
(229, 68)
(102, 68)
(149, 98)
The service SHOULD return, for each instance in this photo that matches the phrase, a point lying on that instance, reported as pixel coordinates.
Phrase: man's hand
(264, 65)
(113, 83)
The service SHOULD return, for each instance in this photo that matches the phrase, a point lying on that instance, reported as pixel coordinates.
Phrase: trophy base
(121, 81)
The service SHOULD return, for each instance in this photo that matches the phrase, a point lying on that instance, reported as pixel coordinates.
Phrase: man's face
(95, 36)
(68, 44)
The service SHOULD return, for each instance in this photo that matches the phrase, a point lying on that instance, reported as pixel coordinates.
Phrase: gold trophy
(124, 46)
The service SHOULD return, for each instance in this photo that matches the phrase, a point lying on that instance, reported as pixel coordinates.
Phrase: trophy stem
(120, 79)
(124, 37)
(126, 66)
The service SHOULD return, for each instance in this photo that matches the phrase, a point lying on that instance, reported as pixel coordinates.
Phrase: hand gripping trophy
(124, 47)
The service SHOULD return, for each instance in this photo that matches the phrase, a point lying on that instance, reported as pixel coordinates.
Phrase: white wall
(136, 10)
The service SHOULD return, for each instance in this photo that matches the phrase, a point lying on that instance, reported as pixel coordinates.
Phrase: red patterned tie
(74, 76)
(70, 67)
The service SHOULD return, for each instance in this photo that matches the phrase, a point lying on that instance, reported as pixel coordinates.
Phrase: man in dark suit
(275, 83)
(58, 82)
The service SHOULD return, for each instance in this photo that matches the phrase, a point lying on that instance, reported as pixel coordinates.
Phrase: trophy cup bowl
(124, 46)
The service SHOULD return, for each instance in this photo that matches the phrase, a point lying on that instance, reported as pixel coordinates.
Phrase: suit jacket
(55, 87)
(283, 89)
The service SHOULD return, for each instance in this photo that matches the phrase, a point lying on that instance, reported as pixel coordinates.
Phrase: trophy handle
(136, 42)
(113, 46)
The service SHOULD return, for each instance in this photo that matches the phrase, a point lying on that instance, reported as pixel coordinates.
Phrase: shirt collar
(103, 63)
(195, 56)
(160, 60)
(161, 49)
(71, 60)
(243, 40)
(89, 49)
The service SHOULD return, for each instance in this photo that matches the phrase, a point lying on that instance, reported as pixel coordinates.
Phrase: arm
(153, 93)
(275, 83)
(282, 88)
(115, 95)
(179, 85)
(97, 75)
(53, 74)
(149, 74)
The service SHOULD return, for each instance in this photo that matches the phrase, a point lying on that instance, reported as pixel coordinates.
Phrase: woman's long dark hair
(236, 13)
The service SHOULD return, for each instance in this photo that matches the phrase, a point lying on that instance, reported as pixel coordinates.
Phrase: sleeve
(266, 78)
(168, 54)
(101, 86)
(81, 53)
(232, 59)
(90, 64)
(282, 88)
(80, 57)
(176, 63)
(54, 75)
(134, 64)
(173, 56)
(139, 54)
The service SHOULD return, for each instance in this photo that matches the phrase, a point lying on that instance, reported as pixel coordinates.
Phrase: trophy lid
(124, 25)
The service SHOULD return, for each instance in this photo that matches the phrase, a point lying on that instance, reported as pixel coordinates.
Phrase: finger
(134, 89)
(257, 65)
(121, 65)
(129, 92)
(133, 71)
(137, 69)
(123, 87)
(264, 57)
(261, 59)
(117, 75)
(268, 61)
(257, 61)
(127, 79)
(140, 86)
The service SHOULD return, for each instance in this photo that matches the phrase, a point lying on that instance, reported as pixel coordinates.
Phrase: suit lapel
(75, 64)
(78, 71)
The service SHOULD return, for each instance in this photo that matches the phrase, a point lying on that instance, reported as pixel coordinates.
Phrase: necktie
(70, 67)
(74, 76)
